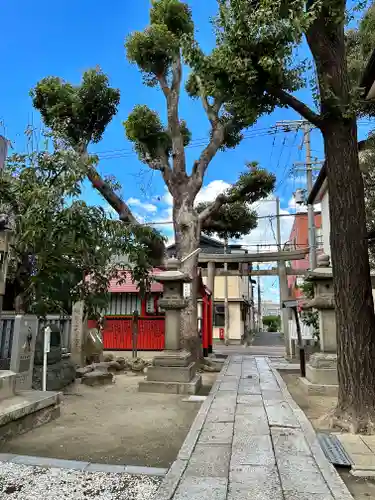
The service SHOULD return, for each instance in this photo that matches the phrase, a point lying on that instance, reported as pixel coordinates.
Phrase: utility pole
(259, 299)
(308, 167)
(310, 208)
(4, 235)
(283, 282)
(226, 304)
(259, 305)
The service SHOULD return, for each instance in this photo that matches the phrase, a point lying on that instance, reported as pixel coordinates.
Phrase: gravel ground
(22, 482)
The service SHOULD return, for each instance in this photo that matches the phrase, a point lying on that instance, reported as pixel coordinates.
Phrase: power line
(168, 222)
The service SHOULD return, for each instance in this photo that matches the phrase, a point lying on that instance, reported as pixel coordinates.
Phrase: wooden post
(302, 358)
(135, 334)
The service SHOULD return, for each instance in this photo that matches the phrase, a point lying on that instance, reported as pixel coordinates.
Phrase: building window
(219, 316)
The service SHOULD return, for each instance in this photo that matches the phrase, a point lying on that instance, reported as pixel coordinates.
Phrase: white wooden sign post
(46, 350)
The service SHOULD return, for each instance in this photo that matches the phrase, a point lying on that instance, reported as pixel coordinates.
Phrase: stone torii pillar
(173, 371)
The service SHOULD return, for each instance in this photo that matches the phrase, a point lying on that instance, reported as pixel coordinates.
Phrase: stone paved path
(251, 441)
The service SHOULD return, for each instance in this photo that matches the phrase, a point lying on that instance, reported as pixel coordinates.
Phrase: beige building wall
(236, 325)
(238, 288)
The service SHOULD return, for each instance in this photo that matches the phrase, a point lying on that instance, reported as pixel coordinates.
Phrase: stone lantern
(321, 370)
(173, 371)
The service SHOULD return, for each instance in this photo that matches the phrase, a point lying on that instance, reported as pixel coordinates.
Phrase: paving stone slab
(270, 385)
(234, 370)
(171, 480)
(201, 488)
(249, 386)
(301, 476)
(252, 424)
(229, 385)
(225, 415)
(251, 450)
(280, 414)
(254, 483)
(292, 495)
(272, 396)
(353, 444)
(287, 441)
(217, 433)
(209, 461)
(370, 442)
(250, 399)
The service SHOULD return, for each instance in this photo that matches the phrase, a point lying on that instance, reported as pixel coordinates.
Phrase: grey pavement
(251, 441)
(270, 350)
(268, 339)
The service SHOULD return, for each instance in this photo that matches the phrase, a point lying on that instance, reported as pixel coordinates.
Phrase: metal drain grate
(334, 450)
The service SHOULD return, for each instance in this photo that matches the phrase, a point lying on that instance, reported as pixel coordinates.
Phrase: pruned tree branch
(211, 111)
(214, 207)
(161, 164)
(201, 165)
(164, 85)
(301, 108)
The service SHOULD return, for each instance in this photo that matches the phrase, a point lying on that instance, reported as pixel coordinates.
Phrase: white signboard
(47, 339)
(187, 290)
(306, 331)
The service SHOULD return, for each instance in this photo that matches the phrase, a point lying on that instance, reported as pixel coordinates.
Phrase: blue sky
(64, 39)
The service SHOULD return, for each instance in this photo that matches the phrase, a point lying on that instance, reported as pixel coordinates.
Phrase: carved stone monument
(321, 370)
(60, 371)
(23, 350)
(173, 371)
(77, 338)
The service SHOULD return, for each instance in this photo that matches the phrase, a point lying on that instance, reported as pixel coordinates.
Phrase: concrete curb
(335, 483)
(81, 466)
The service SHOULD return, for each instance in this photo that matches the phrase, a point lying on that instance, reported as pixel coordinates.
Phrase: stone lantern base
(321, 375)
(172, 372)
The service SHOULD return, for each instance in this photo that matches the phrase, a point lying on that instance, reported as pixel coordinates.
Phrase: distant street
(264, 344)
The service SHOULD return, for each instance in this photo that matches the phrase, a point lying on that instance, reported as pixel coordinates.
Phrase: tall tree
(360, 47)
(78, 117)
(263, 52)
(159, 52)
(58, 239)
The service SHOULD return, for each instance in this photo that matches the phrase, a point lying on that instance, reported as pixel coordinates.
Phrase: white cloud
(144, 206)
(211, 191)
(302, 208)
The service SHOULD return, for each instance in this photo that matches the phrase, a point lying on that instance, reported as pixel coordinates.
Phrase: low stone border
(81, 466)
(329, 473)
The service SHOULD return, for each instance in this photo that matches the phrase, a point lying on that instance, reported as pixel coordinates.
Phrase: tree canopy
(58, 239)
(77, 116)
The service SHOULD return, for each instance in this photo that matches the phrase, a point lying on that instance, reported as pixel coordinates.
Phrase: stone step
(191, 387)
(97, 377)
(27, 410)
(7, 384)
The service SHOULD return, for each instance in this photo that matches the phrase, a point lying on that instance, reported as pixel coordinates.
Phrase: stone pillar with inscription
(77, 335)
(173, 371)
(23, 349)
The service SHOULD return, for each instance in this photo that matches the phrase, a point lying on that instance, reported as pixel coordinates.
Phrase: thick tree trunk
(355, 317)
(187, 233)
